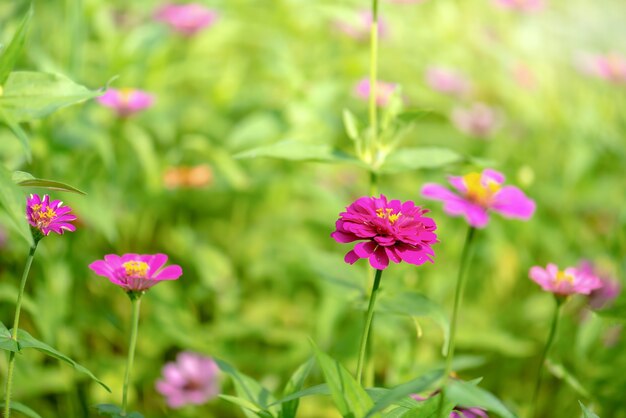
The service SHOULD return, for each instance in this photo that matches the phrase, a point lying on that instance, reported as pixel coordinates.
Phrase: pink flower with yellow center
(45, 216)
(610, 67)
(521, 5)
(390, 230)
(187, 19)
(126, 101)
(564, 282)
(384, 91)
(136, 272)
(477, 194)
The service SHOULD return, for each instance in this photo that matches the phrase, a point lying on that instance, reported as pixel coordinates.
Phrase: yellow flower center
(387, 213)
(43, 217)
(126, 94)
(137, 269)
(477, 191)
(562, 276)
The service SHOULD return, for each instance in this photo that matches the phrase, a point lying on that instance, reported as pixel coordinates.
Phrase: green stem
(134, 325)
(16, 323)
(368, 325)
(544, 354)
(458, 296)
(373, 108)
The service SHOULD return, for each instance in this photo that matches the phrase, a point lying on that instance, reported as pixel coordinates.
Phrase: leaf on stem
(406, 159)
(294, 385)
(586, 412)
(13, 50)
(20, 407)
(468, 395)
(24, 179)
(14, 203)
(6, 342)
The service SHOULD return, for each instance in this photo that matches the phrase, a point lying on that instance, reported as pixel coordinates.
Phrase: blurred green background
(261, 274)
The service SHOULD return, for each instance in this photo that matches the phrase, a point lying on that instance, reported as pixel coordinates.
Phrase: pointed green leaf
(322, 389)
(429, 408)
(10, 55)
(352, 125)
(19, 407)
(297, 151)
(50, 184)
(586, 412)
(562, 373)
(350, 398)
(406, 159)
(6, 342)
(246, 405)
(468, 395)
(13, 201)
(17, 130)
(294, 385)
(28, 341)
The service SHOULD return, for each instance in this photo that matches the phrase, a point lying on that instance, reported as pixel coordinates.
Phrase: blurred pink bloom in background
(46, 216)
(605, 295)
(479, 120)
(359, 27)
(384, 90)
(564, 282)
(521, 5)
(610, 67)
(477, 194)
(191, 380)
(126, 101)
(187, 19)
(406, 1)
(448, 81)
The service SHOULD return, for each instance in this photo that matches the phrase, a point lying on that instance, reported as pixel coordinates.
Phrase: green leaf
(562, 373)
(617, 311)
(468, 395)
(6, 342)
(246, 405)
(19, 407)
(405, 159)
(13, 201)
(10, 55)
(350, 398)
(294, 385)
(322, 389)
(352, 125)
(115, 411)
(28, 341)
(429, 408)
(419, 115)
(17, 130)
(49, 184)
(586, 412)
(416, 385)
(297, 151)
(31, 95)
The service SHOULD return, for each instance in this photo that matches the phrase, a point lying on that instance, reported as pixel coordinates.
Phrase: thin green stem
(16, 323)
(458, 297)
(134, 326)
(544, 354)
(373, 108)
(368, 325)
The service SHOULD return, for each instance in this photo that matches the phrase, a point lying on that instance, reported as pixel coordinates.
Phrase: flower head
(604, 295)
(610, 67)
(478, 194)
(45, 216)
(126, 101)
(521, 5)
(447, 81)
(479, 120)
(191, 379)
(359, 27)
(390, 230)
(564, 282)
(136, 272)
(384, 90)
(187, 19)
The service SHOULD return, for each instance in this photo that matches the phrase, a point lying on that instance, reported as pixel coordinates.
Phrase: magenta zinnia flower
(564, 282)
(384, 91)
(391, 230)
(126, 101)
(136, 272)
(187, 19)
(45, 216)
(191, 379)
(478, 194)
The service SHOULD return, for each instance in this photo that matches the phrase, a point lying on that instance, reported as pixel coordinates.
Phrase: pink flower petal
(511, 202)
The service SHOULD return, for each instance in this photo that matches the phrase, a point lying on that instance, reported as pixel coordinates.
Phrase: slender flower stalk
(368, 325)
(135, 299)
(16, 322)
(373, 108)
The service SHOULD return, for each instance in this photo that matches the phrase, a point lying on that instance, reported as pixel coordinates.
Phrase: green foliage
(14, 203)
(114, 411)
(467, 394)
(19, 407)
(586, 412)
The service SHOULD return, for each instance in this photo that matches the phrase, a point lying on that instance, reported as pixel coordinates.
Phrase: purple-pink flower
(384, 91)
(479, 193)
(521, 5)
(126, 101)
(389, 230)
(609, 67)
(607, 293)
(479, 120)
(359, 27)
(191, 380)
(564, 282)
(136, 272)
(45, 216)
(187, 19)
(447, 81)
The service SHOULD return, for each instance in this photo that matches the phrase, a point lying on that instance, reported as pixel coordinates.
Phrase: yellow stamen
(136, 268)
(477, 191)
(562, 276)
(126, 94)
(388, 214)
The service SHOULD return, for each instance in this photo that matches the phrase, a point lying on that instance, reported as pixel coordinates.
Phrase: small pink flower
(45, 216)
(447, 81)
(479, 120)
(605, 295)
(126, 101)
(610, 67)
(390, 230)
(135, 272)
(478, 194)
(359, 27)
(187, 19)
(384, 91)
(521, 5)
(191, 380)
(564, 282)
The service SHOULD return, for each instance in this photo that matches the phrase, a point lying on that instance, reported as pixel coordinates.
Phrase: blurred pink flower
(126, 101)
(564, 282)
(406, 1)
(45, 216)
(479, 120)
(478, 194)
(187, 19)
(521, 5)
(391, 230)
(605, 295)
(447, 81)
(136, 272)
(359, 27)
(384, 90)
(610, 67)
(191, 380)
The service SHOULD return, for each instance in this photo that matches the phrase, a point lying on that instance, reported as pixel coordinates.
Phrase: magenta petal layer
(564, 282)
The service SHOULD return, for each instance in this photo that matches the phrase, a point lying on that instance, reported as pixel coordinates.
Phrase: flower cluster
(565, 282)
(126, 102)
(45, 216)
(190, 380)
